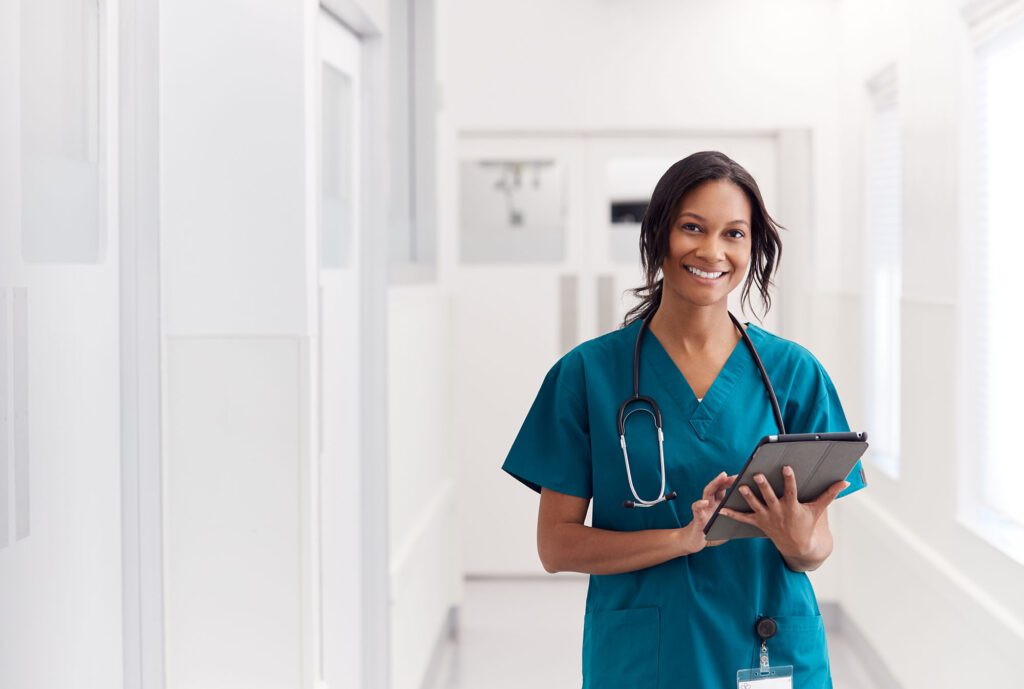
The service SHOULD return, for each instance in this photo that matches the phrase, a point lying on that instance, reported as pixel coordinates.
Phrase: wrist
(804, 557)
(682, 541)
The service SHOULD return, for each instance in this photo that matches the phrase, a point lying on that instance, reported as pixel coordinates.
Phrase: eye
(688, 225)
(740, 233)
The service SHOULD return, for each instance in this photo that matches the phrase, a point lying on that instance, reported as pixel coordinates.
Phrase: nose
(710, 250)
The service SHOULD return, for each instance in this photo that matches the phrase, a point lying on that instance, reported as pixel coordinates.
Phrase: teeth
(702, 274)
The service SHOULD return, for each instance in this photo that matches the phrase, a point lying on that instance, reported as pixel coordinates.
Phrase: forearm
(580, 548)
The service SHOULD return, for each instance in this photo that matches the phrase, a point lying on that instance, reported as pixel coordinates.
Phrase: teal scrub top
(688, 622)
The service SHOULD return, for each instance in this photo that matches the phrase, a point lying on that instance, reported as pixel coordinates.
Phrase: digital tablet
(818, 461)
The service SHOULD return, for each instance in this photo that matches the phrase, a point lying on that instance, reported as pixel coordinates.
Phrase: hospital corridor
(477, 344)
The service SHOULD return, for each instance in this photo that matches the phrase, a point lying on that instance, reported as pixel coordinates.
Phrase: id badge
(778, 677)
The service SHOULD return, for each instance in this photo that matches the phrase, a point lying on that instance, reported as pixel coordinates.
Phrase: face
(711, 233)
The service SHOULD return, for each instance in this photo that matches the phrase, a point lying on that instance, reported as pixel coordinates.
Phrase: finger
(822, 502)
(739, 516)
(752, 500)
(728, 481)
(712, 487)
(789, 493)
(767, 492)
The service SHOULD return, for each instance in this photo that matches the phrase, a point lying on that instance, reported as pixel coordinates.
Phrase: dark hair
(690, 172)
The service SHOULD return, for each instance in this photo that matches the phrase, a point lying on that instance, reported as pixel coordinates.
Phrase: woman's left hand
(792, 525)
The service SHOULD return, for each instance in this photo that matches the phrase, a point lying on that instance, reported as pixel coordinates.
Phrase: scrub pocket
(621, 648)
(800, 642)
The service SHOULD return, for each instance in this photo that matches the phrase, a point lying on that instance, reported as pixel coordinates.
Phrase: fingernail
(787, 470)
(720, 475)
(759, 478)
(744, 490)
(846, 484)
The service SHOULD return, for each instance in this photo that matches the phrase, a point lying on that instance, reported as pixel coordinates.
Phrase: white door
(528, 289)
(338, 475)
(60, 460)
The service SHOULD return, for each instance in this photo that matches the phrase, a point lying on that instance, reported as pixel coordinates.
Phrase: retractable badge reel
(765, 676)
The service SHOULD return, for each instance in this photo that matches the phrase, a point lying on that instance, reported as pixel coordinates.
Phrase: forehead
(719, 200)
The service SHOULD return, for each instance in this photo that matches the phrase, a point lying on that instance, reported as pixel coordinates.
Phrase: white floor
(528, 633)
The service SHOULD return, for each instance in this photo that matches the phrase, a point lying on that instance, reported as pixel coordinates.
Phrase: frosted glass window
(1000, 235)
(336, 200)
(60, 131)
(883, 276)
(511, 211)
(413, 121)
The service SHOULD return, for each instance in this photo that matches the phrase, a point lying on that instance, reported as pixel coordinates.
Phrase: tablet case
(818, 460)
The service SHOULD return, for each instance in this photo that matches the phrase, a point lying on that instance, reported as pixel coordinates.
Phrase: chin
(696, 297)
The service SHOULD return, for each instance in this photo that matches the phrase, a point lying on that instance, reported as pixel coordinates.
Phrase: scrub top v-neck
(688, 622)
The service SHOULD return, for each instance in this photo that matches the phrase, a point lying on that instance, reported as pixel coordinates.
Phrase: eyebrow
(701, 218)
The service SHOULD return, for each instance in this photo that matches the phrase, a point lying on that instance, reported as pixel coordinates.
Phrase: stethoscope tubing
(655, 412)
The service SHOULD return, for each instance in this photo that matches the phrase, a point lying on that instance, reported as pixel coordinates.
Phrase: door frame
(140, 350)
(375, 622)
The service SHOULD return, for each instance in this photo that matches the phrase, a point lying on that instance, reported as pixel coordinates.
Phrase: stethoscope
(655, 412)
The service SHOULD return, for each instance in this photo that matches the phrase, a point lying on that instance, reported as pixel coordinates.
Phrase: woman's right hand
(693, 540)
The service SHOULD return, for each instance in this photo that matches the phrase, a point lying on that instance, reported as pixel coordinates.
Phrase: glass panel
(336, 208)
(1002, 149)
(60, 146)
(512, 211)
(883, 215)
(631, 182)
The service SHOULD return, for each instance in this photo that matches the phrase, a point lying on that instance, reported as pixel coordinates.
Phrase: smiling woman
(665, 606)
(708, 210)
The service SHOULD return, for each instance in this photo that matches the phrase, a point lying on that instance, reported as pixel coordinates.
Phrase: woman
(665, 607)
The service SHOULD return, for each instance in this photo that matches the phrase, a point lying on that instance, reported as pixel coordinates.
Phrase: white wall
(583, 66)
(425, 558)
(236, 341)
(240, 318)
(60, 463)
(942, 589)
(232, 130)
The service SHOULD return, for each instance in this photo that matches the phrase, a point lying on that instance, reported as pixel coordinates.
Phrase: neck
(693, 328)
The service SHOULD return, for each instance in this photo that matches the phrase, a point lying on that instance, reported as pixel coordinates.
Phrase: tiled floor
(528, 633)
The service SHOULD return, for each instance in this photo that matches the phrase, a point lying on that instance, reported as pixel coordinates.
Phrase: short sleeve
(827, 416)
(552, 448)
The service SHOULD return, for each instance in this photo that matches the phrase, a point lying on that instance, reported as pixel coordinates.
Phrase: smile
(707, 276)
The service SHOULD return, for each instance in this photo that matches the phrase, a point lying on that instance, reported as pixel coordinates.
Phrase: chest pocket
(621, 648)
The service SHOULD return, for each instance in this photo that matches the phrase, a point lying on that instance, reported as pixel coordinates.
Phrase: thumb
(700, 512)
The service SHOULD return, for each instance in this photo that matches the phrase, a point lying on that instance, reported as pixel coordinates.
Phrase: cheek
(677, 248)
(740, 260)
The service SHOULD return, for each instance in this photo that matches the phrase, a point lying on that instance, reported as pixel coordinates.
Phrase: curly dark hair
(691, 171)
